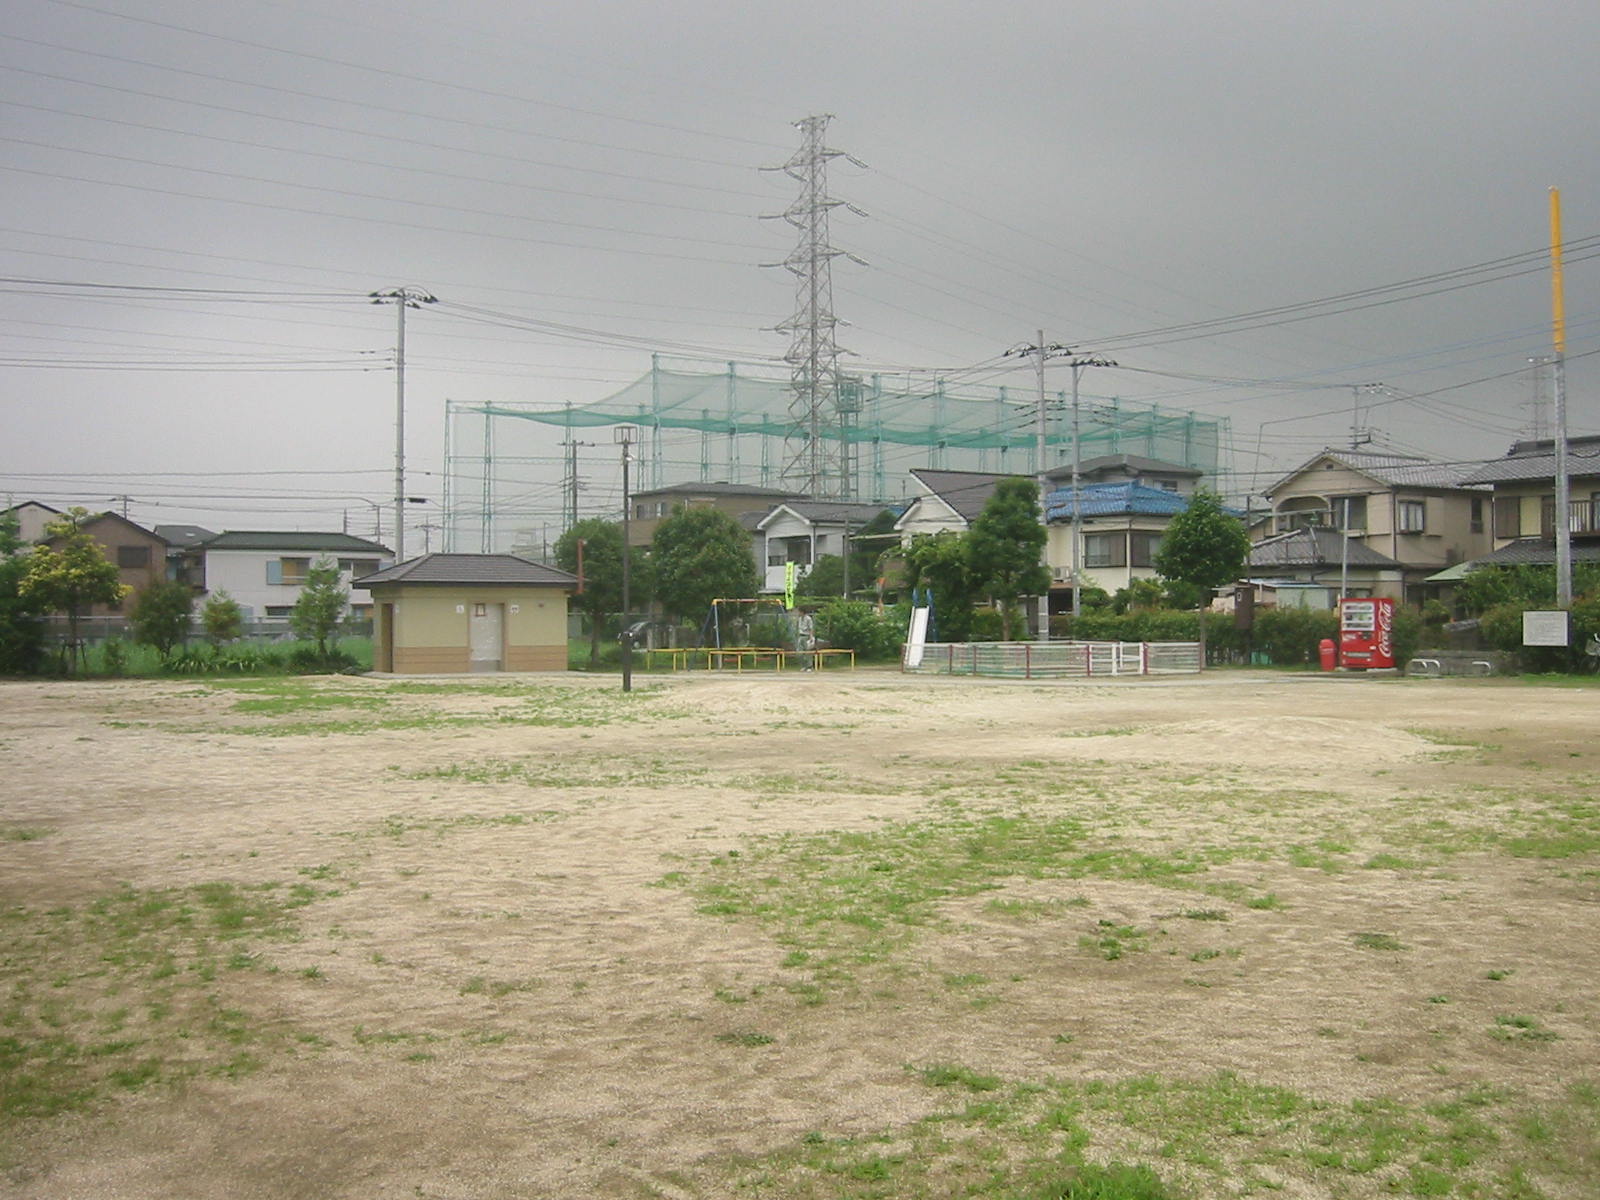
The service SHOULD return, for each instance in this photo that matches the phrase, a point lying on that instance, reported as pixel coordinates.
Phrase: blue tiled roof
(1114, 499)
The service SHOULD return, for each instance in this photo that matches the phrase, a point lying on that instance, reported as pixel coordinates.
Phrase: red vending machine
(1366, 634)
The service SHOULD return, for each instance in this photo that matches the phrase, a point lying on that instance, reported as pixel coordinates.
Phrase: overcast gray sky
(1095, 170)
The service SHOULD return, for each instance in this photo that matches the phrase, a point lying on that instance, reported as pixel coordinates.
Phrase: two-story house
(1524, 501)
(802, 531)
(1422, 515)
(946, 501)
(186, 562)
(1123, 505)
(139, 555)
(651, 507)
(265, 571)
(32, 517)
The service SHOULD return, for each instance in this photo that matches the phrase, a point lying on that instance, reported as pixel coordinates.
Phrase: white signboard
(1544, 628)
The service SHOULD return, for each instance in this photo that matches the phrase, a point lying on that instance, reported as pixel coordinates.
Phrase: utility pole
(1040, 352)
(569, 515)
(625, 436)
(402, 298)
(1078, 363)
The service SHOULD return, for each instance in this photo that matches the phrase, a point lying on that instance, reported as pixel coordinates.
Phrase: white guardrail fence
(1055, 660)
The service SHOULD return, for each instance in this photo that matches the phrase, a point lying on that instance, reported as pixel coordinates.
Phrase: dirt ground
(505, 972)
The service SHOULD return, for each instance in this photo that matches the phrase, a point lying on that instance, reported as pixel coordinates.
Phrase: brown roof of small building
(478, 570)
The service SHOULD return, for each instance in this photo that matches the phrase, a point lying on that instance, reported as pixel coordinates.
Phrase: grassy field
(853, 936)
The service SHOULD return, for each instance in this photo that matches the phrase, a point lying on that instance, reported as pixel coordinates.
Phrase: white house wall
(243, 575)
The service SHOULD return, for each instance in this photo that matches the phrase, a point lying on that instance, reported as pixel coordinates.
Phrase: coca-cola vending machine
(1366, 634)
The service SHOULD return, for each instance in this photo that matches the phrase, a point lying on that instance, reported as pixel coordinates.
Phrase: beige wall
(1532, 495)
(431, 637)
(1448, 535)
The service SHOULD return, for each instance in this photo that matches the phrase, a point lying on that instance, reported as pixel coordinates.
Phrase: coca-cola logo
(1386, 630)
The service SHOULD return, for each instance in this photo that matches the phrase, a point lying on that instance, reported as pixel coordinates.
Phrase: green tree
(602, 573)
(1005, 549)
(856, 625)
(69, 573)
(939, 562)
(1204, 547)
(160, 615)
(826, 577)
(700, 555)
(21, 630)
(321, 605)
(221, 618)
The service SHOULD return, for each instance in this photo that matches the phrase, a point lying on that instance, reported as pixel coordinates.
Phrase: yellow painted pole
(1563, 483)
(1557, 301)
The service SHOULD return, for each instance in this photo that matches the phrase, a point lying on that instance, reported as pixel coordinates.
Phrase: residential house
(265, 571)
(1125, 503)
(139, 555)
(655, 505)
(802, 531)
(1310, 566)
(460, 613)
(1119, 527)
(186, 563)
(1132, 468)
(947, 501)
(32, 517)
(1524, 501)
(1420, 514)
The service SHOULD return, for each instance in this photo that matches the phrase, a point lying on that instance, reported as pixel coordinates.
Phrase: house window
(1105, 549)
(1477, 514)
(1413, 516)
(1142, 548)
(358, 566)
(1507, 516)
(279, 612)
(290, 572)
(1350, 512)
(133, 556)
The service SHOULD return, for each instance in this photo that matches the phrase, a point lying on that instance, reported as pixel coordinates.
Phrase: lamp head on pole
(624, 435)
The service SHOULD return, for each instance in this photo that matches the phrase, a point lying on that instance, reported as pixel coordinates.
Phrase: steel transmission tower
(817, 455)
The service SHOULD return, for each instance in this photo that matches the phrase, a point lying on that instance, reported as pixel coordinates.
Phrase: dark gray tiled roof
(481, 570)
(1314, 548)
(183, 535)
(830, 511)
(333, 543)
(1537, 460)
(965, 491)
(1133, 462)
(1536, 552)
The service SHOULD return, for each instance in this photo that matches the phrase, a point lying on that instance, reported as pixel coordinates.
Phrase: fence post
(1027, 660)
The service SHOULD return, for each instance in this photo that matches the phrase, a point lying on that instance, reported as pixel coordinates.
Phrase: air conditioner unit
(1062, 574)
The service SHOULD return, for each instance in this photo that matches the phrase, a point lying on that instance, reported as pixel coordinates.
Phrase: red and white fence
(1058, 660)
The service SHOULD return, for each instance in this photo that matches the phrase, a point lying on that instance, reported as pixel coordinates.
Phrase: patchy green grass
(851, 899)
(130, 990)
(291, 707)
(1153, 1137)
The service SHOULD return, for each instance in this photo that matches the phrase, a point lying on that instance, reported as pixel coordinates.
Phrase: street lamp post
(624, 436)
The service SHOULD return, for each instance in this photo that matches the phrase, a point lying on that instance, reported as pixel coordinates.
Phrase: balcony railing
(1583, 518)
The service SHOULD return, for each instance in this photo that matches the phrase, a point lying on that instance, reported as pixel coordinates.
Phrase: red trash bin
(1329, 654)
